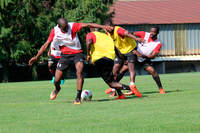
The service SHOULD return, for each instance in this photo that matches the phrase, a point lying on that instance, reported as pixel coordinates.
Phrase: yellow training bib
(103, 47)
(124, 45)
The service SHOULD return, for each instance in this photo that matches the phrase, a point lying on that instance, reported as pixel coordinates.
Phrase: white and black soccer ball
(86, 95)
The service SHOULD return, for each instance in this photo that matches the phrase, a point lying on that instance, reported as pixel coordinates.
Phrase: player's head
(63, 24)
(108, 22)
(154, 31)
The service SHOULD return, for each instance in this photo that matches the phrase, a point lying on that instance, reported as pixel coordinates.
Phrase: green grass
(25, 107)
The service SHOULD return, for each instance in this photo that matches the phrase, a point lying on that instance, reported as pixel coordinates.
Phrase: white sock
(113, 89)
(132, 83)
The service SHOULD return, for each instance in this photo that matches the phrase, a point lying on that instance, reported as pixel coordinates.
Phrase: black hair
(62, 21)
(108, 22)
(156, 27)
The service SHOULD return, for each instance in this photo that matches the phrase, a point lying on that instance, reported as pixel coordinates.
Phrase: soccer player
(100, 49)
(65, 36)
(124, 43)
(146, 51)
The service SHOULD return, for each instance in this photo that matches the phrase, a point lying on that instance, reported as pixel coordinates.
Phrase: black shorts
(121, 58)
(104, 67)
(146, 63)
(53, 60)
(67, 59)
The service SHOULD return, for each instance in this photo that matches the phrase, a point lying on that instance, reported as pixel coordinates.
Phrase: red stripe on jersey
(91, 36)
(157, 49)
(51, 35)
(66, 50)
(57, 57)
(140, 34)
(120, 32)
(75, 28)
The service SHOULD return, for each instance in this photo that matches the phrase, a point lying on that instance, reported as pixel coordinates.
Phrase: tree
(4, 3)
(26, 24)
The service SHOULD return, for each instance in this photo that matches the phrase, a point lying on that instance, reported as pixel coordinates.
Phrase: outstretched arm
(128, 34)
(40, 52)
(89, 42)
(153, 54)
(94, 25)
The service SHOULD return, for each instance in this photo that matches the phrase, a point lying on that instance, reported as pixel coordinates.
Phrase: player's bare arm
(89, 42)
(128, 34)
(153, 55)
(93, 25)
(133, 33)
(137, 53)
(40, 52)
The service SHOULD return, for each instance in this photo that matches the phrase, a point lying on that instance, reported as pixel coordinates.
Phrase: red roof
(156, 12)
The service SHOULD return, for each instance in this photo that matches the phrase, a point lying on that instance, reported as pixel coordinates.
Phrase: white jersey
(55, 50)
(146, 48)
(65, 39)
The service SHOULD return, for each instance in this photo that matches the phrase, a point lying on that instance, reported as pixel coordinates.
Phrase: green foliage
(26, 24)
(4, 3)
(5, 32)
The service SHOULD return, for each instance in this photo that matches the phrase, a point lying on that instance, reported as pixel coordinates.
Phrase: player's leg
(120, 75)
(116, 68)
(52, 64)
(62, 65)
(131, 68)
(131, 59)
(78, 61)
(104, 67)
(156, 77)
(51, 68)
(118, 62)
(55, 92)
(122, 72)
(80, 80)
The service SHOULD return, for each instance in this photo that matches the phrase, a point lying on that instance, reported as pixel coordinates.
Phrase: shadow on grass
(112, 99)
(151, 92)
(97, 100)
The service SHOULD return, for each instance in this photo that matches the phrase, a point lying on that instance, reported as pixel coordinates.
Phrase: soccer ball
(86, 95)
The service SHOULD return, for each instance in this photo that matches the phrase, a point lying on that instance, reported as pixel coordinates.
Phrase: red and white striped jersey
(148, 45)
(68, 42)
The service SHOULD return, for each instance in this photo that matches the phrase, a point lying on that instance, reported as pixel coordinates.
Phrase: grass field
(25, 107)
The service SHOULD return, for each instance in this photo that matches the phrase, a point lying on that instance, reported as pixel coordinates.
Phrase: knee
(79, 74)
(49, 65)
(56, 82)
(154, 74)
(111, 84)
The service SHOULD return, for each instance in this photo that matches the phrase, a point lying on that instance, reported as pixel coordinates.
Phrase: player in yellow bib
(124, 45)
(100, 49)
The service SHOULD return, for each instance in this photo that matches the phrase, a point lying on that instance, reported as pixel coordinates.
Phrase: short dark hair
(108, 22)
(157, 28)
(62, 21)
